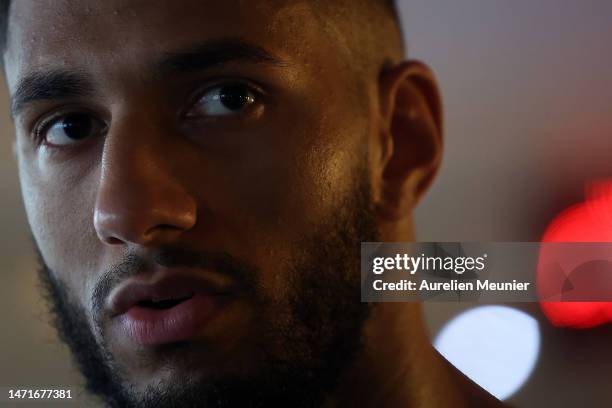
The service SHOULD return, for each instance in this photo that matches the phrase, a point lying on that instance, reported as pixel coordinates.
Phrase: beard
(318, 325)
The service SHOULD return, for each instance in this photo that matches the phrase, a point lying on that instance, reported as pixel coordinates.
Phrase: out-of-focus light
(495, 346)
(590, 221)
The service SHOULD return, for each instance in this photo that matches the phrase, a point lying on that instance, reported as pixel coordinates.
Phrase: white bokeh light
(496, 346)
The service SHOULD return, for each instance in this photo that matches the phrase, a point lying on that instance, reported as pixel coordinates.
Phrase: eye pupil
(234, 97)
(76, 126)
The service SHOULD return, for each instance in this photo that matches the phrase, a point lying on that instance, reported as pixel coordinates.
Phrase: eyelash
(43, 126)
(257, 91)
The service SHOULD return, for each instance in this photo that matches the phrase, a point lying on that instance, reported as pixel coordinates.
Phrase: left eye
(224, 100)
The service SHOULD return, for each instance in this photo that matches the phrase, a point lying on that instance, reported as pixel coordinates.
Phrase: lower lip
(153, 327)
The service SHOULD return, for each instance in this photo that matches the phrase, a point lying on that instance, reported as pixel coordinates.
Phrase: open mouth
(174, 308)
(153, 320)
(163, 303)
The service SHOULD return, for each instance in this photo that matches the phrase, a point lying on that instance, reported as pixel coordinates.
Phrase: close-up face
(226, 203)
(186, 166)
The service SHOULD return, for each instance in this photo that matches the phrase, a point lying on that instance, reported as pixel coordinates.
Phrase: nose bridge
(139, 199)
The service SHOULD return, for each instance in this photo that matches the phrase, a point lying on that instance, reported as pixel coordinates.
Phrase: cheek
(291, 193)
(305, 170)
(60, 218)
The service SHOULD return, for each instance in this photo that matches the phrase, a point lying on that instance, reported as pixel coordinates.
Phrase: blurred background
(527, 88)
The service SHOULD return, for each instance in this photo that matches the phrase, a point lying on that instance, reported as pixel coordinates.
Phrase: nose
(139, 201)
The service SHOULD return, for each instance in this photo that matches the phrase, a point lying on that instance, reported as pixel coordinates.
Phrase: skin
(249, 184)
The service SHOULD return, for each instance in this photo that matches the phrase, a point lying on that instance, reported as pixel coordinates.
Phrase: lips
(172, 309)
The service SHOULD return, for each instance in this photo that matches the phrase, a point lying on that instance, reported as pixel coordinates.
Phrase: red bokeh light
(590, 221)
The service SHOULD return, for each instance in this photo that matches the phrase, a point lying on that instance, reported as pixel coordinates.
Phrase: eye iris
(76, 126)
(235, 97)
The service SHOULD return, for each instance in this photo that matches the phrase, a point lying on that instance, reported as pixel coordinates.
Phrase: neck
(398, 367)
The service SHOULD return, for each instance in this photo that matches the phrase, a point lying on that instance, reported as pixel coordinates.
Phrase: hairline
(5, 5)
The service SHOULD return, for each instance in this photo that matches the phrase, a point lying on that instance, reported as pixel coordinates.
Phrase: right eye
(69, 129)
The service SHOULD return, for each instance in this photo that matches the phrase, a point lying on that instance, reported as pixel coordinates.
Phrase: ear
(411, 114)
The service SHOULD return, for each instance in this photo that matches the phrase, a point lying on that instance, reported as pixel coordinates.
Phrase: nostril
(113, 241)
(167, 227)
(161, 232)
(150, 222)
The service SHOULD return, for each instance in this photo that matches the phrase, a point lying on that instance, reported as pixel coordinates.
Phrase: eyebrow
(48, 85)
(63, 84)
(210, 54)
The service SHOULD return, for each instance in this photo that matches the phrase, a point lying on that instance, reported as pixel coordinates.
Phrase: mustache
(240, 271)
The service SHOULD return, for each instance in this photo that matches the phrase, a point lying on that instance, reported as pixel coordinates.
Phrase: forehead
(110, 34)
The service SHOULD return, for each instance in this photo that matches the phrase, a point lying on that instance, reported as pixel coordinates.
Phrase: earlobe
(411, 110)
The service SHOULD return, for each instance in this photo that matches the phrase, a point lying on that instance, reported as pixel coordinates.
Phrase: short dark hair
(390, 6)
(4, 14)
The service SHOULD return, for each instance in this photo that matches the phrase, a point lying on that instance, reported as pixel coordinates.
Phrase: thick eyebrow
(210, 54)
(54, 84)
(63, 84)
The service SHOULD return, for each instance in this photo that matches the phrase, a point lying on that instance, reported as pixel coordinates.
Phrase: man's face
(195, 176)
